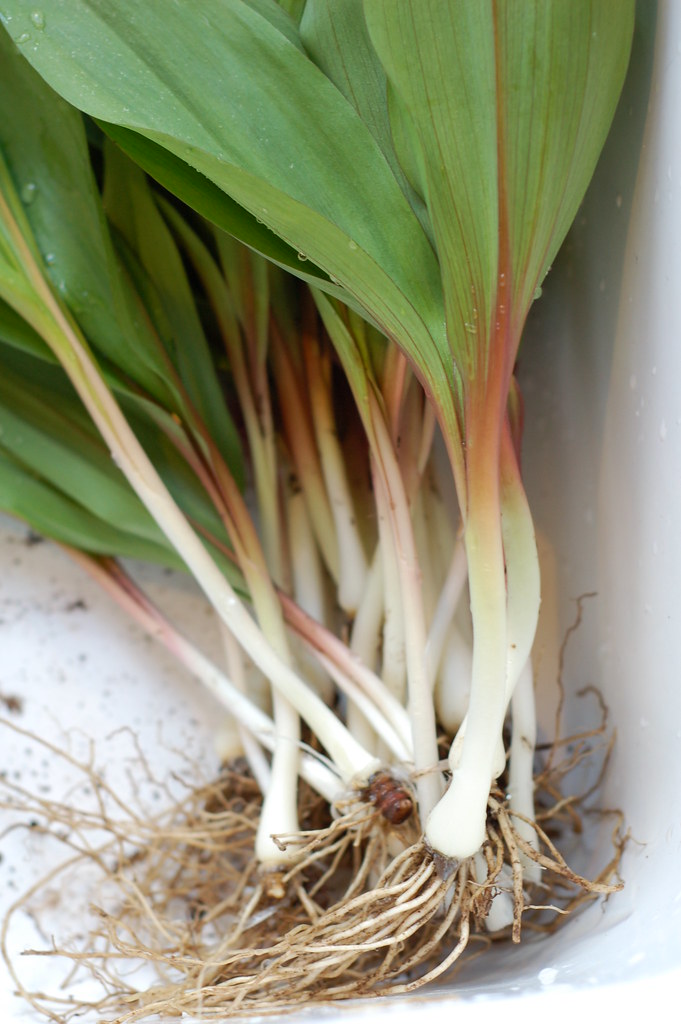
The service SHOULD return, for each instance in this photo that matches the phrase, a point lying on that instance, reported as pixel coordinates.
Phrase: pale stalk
(394, 658)
(307, 578)
(353, 563)
(452, 689)
(389, 489)
(327, 644)
(257, 762)
(448, 602)
(520, 790)
(128, 596)
(522, 564)
(456, 827)
(365, 642)
(370, 712)
(524, 595)
(421, 711)
(303, 449)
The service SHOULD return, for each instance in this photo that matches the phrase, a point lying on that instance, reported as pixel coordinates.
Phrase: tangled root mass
(366, 909)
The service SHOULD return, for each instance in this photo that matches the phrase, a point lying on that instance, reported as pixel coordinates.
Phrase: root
(182, 920)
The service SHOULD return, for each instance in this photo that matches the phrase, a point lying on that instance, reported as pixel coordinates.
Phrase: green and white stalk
(392, 502)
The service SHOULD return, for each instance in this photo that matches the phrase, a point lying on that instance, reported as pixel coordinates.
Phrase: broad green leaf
(336, 37)
(56, 440)
(43, 143)
(53, 514)
(202, 195)
(44, 426)
(509, 104)
(307, 166)
(295, 8)
(16, 332)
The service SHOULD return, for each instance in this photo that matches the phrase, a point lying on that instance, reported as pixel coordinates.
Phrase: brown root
(366, 909)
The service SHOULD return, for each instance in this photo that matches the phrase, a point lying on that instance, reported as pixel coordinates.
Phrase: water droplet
(50, 258)
(23, 38)
(537, 294)
(663, 430)
(618, 201)
(302, 257)
(470, 328)
(547, 976)
(38, 19)
(352, 245)
(28, 192)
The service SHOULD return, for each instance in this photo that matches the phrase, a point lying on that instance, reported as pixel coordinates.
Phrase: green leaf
(49, 432)
(53, 514)
(336, 37)
(307, 166)
(43, 143)
(509, 105)
(45, 429)
(202, 195)
(16, 332)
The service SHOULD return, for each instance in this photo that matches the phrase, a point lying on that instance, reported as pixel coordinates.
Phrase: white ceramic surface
(601, 371)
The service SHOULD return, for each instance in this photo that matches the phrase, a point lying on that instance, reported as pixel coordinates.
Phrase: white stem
(521, 766)
(257, 762)
(351, 666)
(364, 644)
(279, 812)
(353, 563)
(394, 661)
(421, 711)
(308, 583)
(450, 596)
(365, 634)
(369, 711)
(453, 682)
